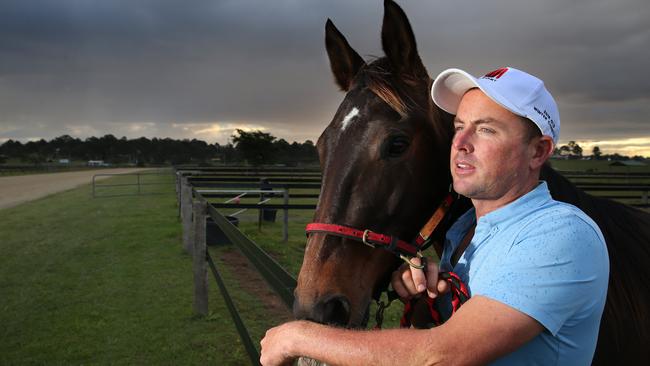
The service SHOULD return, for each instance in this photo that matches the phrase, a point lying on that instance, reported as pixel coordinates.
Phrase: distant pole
(138, 175)
(259, 212)
(178, 193)
(199, 260)
(285, 219)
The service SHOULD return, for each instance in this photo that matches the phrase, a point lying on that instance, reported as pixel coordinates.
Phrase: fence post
(285, 219)
(138, 175)
(178, 192)
(644, 197)
(199, 260)
(186, 216)
(181, 184)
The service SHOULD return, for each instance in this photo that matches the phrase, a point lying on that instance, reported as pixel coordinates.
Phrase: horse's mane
(627, 233)
(379, 78)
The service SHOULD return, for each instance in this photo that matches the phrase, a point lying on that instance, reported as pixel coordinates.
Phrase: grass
(104, 281)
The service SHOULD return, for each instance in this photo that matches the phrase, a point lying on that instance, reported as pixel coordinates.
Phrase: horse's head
(379, 157)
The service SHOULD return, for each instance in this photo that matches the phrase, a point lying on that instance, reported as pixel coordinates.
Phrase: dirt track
(15, 190)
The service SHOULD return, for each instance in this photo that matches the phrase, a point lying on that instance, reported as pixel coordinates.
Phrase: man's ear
(541, 149)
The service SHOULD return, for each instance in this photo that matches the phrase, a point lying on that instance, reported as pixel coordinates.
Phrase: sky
(201, 69)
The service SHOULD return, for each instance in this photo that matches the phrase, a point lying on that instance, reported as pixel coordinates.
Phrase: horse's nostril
(334, 310)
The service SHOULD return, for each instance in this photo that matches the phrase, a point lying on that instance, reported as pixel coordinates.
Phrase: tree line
(572, 150)
(254, 148)
(248, 147)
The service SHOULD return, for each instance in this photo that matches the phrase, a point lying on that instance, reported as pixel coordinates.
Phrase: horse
(385, 166)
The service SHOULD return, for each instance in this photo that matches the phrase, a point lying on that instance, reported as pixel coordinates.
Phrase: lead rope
(459, 295)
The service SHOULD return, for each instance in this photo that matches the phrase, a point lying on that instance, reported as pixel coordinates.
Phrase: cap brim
(450, 86)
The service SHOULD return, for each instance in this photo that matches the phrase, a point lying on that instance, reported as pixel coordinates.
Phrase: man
(537, 269)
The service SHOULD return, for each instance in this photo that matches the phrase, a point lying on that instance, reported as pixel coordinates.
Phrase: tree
(565, 150)
(596, 152)
(256, 147)
(574, 149)
(577, 151)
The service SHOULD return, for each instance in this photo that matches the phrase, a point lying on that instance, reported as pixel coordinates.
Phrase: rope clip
(410, 263)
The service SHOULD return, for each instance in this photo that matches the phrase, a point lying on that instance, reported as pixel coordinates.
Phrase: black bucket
(213, 233)
(269, 215)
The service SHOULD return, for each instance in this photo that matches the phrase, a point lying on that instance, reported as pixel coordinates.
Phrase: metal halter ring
(416, 266)
(364, 238)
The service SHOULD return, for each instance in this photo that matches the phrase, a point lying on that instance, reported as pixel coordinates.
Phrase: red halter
(391, 243)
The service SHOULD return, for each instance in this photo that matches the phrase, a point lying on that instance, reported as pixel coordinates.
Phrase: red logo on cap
(496, 73)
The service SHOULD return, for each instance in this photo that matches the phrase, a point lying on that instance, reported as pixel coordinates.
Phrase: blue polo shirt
(545, 258)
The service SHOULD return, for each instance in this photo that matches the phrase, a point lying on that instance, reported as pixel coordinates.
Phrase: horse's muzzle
(332, 310)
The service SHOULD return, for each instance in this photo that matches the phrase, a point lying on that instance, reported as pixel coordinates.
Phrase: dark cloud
(108, 66)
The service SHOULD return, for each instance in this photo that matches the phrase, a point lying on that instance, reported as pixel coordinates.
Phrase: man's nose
(462, 140)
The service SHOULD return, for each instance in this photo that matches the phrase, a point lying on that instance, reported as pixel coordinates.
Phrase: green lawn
(105, 281)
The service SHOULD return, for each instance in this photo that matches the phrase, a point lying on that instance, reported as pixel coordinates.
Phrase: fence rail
(139, 183)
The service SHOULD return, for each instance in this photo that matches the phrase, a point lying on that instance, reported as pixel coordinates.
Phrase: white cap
(519, 92)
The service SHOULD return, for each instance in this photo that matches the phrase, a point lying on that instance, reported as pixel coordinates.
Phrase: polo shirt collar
(539, 196)
(523, 205)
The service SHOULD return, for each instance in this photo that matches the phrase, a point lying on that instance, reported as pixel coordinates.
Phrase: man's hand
(276, 345)
(409, 282)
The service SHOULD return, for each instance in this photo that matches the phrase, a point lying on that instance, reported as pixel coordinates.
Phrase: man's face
(489, 155)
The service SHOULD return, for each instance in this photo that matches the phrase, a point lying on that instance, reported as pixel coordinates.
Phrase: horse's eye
(398, 145)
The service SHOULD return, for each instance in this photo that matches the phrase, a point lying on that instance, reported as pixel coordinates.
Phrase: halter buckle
(364, 238)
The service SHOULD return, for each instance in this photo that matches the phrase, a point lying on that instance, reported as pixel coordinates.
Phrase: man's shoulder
(562, 216)
(563, 230)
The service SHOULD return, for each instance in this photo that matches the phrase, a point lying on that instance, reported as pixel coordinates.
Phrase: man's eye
(487, 130)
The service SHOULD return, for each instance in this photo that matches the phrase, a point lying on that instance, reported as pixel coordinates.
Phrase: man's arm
(481, 331)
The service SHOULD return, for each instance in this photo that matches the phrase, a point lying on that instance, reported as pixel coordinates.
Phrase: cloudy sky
(200, 69)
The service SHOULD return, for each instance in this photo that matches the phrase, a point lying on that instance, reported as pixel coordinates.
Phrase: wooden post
(181, 186)
(200, 264)
(644, 197)
(285, 219)
(178, 192)
(181, 183)
(186, 217)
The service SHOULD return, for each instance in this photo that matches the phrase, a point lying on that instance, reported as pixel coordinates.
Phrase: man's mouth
(463, 167)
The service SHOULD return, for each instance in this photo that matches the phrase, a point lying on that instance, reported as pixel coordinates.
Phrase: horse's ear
(344, 60)
(398, 41)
